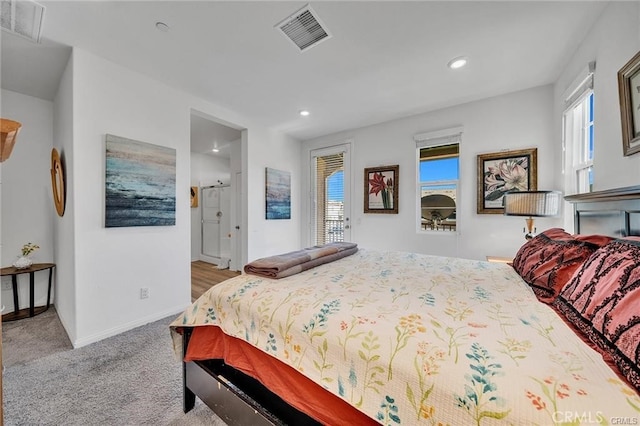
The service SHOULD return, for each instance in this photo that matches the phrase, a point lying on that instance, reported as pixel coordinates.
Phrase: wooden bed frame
(241, 400)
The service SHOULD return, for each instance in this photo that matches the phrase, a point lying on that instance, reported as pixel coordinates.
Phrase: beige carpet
(32, 338)
(129, 379)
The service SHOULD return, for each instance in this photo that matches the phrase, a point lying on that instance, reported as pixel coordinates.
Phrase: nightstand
(498, 259)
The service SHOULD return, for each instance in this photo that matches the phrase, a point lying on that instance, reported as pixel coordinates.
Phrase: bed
(403, 338)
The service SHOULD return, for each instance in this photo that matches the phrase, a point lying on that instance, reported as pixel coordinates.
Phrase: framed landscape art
(140, 183)
(277, 194)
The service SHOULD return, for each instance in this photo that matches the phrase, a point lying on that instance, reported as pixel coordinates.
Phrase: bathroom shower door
(216, 225)
(211, 215)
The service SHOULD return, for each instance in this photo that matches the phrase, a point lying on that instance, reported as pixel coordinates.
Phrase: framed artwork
(629, 89)
(140, 184)
(278, 194)
(194, 196)
(381, 189)
(505, 171)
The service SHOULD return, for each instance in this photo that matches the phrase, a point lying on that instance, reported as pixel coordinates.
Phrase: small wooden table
(499, 259)
(31, 310)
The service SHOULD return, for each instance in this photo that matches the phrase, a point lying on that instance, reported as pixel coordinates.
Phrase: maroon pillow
(547, 261)
(602, 300)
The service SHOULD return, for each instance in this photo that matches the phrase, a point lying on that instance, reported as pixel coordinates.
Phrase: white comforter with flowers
(415, 339)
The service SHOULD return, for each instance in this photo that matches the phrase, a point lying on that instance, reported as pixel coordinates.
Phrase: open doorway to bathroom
(215, 219)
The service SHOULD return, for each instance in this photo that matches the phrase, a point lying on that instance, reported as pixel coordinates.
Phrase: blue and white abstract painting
(278, 194)
(140, 183)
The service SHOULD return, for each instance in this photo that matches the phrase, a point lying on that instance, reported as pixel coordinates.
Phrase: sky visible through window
(335, 186)
(439, 170)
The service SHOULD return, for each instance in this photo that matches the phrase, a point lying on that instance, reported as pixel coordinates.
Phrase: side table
(498, 259)
(31, 310)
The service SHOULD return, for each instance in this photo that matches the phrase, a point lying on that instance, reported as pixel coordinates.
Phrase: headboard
(613, 212)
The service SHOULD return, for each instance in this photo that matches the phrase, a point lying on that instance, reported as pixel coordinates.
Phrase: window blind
(449, 136)
(580, 85)
(329, 196)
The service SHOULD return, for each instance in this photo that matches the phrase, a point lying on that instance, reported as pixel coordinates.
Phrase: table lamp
(531, 204)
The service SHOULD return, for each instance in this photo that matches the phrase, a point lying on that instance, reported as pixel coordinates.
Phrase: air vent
(304, 29)
(22, 17)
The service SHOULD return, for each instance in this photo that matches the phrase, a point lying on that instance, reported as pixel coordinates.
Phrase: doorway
(330, 192)
(216, 150)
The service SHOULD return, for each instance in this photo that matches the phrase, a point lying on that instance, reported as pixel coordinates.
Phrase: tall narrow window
(579, 136)
(438, 180)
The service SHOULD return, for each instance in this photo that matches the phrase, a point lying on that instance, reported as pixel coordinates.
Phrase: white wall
(513, 121)
(27, 203)
(205, 171)
(104, 269)
(63, 227)
(613, 40)
(269, 237)
(113, 264)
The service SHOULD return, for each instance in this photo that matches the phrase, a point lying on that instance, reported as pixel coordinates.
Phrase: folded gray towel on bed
(284, 265)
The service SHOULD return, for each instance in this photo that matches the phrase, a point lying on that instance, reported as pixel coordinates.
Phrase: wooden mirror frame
(57, 182)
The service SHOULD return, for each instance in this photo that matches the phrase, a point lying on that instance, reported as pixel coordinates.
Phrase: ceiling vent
(304, 29)
(22, 17)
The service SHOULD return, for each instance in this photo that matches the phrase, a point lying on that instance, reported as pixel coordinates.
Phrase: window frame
(578, 94)
(577, 135)
(431, 140)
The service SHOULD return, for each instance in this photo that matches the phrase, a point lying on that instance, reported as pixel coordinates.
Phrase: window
(438, 180)
(579, 136)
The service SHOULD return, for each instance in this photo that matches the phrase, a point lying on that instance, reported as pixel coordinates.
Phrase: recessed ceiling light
(458, 62)
(161, 26)
(215, 150)
(304, 113)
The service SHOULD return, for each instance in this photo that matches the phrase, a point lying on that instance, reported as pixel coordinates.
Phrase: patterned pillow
(549, 260)
(602, 300)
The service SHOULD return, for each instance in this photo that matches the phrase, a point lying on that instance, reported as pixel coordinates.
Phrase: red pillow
(599, 240)
(602, 300)
(548, 261)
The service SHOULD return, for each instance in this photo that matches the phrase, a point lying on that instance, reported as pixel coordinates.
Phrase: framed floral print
(505, 171)
(629, 90)
(381, 189)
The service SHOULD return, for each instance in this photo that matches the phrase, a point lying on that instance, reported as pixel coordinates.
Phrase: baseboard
(78, 343)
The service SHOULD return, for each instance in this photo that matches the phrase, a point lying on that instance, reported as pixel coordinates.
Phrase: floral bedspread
(416, 339)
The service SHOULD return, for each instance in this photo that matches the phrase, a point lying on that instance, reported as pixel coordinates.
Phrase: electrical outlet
(144, 293)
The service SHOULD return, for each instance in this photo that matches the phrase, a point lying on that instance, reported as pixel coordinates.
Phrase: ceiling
(385, 60)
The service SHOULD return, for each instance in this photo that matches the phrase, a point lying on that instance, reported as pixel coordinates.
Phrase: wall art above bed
(140, 184)
(629, 88)
(504, 171)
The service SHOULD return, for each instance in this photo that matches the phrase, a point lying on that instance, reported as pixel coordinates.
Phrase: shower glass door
(216, 222)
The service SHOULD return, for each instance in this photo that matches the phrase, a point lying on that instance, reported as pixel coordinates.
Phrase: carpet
(129, 379)
(32, 338)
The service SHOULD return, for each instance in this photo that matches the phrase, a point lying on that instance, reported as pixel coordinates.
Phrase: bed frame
(236, 398)
(241, 400)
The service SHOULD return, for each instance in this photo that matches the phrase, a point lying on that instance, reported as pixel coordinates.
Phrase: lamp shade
(532, 203)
